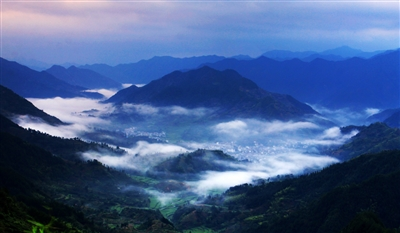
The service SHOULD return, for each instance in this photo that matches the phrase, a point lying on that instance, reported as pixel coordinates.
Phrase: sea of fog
(271, 148)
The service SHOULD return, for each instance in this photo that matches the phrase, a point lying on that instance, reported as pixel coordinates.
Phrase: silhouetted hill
(12, 105)
(83, 77)
(187, 166)
(226, 92)
(67, 148)
(354, 83)
(29, 83)
(145, 71)
(372, 139)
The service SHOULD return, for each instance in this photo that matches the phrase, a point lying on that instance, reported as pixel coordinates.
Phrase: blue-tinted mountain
(83, 77)
(145, 71)
(227, 92)
(336, 54)
(29, 83)
(354, 83)
(282, 55)
(348, 52)
(393, 120)
(383, 115)
(12, 105)
(328, 57)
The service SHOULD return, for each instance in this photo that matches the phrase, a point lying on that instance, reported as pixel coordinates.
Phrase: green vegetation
(199, 230)
(372, 139)
(45, 186)
(325, 201)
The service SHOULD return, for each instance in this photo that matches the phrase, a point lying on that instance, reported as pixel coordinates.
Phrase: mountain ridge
(351, 83)
(144, 71)
(83, 77)
(30, 83)
(227, 91)
(12, 105)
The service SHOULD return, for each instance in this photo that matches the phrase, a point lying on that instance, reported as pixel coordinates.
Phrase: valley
(195, 150)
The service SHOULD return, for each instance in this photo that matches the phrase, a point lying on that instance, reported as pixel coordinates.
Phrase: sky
(114, 32)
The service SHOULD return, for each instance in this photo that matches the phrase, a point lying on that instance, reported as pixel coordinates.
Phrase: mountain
(83, 77)
(353, 83)
(391, 117)
(227, 92)
(282, 55)
(189, 165)
(393, 120)
(328, 57)
(348, 52)
(336, 54)
(12, 105)
(29, 83)
(144, 71)
(372, 139)
(324, 201)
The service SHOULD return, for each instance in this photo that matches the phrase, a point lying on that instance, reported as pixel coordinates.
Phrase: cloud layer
(270, 148)
(81, 114)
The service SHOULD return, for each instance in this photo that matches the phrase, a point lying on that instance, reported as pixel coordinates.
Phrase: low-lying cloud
(252, 127)
(107, 93)
(67, 131)
(346, 116)
(145, 109)
(140, 157)
(270, 148)
(267, 167)
(81, 114)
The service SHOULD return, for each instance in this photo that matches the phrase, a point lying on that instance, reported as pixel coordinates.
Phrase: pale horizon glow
(115, 32)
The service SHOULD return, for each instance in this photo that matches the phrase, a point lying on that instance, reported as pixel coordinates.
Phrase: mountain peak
(344, 51)
(227, 91)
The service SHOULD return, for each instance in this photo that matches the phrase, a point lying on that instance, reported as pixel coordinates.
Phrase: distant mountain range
(12, 105)
(337, 54)
(353, 83)
(227, 92)
(83, 77)
(30, 83)
(145, 71)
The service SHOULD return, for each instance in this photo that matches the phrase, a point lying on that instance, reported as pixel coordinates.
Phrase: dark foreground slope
(47, 193)
(371, 139)
(325, 201)
(12, 105)
(226, 92)
(66, 148)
